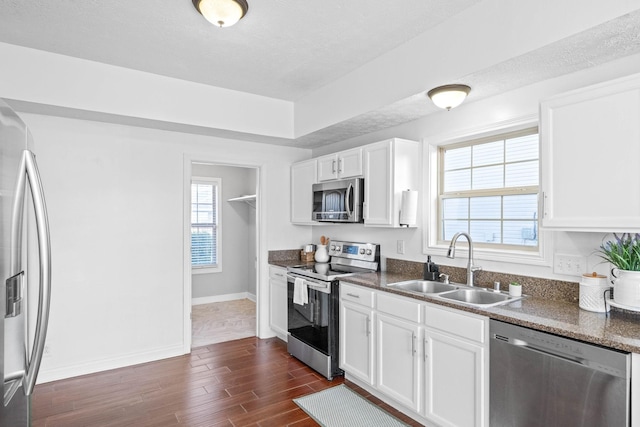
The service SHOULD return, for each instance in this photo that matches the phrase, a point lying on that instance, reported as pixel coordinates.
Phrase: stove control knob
(361, 251)
(333, 247)
(369, 252)
(338, 248)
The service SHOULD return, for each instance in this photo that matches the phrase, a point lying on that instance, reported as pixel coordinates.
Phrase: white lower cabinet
(357, 332)
(398, 370)
(456, 367)
(278, 301)
(429, 361)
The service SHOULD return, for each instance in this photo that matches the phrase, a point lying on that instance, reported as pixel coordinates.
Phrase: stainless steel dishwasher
(539, 379)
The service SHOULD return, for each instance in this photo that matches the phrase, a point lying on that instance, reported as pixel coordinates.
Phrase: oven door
(314, 323)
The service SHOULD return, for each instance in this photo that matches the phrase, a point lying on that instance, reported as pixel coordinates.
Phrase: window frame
(490, 192)
(431, 185)
(216, 182)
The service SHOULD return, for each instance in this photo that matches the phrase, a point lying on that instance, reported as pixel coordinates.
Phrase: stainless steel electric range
(313, 303)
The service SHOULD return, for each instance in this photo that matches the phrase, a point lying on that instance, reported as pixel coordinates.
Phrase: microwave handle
(348, 197)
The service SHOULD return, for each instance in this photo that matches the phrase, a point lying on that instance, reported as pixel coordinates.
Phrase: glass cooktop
(327, 271)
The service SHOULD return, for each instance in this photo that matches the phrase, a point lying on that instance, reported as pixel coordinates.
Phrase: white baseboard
(222, 298)
(45, 376)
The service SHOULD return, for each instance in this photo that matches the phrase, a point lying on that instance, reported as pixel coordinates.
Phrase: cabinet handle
(544, 198)
(333, 166)
(424, 349)
(353, 295)
(413, 343)
(340, 164)
(368, 326)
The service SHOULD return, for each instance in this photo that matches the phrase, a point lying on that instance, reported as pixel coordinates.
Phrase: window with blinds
(205, 218)
(489, 189)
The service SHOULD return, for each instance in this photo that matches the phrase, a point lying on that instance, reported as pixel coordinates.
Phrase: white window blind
(489, 189)
(204, 222)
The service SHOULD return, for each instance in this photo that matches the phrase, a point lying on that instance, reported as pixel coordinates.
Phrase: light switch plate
(400, 246)
(569, 265)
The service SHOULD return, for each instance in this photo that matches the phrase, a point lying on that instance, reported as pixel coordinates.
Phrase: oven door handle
(319, 284)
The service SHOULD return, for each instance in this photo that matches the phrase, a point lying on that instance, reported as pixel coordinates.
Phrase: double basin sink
(476, 297)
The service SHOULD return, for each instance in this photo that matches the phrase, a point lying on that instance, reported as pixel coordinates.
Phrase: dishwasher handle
(528, 346)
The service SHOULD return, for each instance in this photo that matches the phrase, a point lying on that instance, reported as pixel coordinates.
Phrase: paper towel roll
(409, 208)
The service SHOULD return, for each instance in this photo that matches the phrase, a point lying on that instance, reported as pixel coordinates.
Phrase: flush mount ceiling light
(223, 13)
(449, 96)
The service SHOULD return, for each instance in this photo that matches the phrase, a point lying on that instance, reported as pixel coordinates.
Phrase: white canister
(592, 288)
(321, 253)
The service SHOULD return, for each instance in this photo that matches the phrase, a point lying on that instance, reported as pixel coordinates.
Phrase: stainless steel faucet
(451, 253)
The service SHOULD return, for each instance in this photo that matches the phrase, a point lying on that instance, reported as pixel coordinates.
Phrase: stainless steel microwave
(338, 201)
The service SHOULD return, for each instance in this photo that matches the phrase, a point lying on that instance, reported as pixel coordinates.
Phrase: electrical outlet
(400, 246)
(47, 351)
(569, 265)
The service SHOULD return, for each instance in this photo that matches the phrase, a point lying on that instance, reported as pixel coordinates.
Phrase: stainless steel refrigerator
(25, 269)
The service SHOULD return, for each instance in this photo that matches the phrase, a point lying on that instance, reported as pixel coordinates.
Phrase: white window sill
(206, 270)
(512, 256)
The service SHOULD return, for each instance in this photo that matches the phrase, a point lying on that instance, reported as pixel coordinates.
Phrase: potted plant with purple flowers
(624, 254)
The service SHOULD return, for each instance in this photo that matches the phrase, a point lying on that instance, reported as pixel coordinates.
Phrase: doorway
(223, 296)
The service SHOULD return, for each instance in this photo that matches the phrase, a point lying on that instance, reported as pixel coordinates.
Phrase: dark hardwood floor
(248, 382)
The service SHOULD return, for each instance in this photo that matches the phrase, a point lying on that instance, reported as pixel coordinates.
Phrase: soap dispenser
(431, 270)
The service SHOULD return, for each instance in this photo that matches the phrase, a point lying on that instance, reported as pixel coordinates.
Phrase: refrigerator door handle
(44, 252)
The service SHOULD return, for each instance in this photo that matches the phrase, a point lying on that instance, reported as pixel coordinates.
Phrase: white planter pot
(626, 289)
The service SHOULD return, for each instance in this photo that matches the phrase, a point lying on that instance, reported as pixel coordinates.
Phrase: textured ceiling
(282, 48)
(614, 39)
(287, 49)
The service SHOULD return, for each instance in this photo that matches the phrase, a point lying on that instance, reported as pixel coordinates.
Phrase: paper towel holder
(408, 208)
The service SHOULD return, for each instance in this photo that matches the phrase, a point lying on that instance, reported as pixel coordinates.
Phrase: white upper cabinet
(590, 156)
(390, 167)
(345, 164)
(303, 176)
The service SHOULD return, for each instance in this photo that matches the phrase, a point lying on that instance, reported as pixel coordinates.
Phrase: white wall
(115, 200)
(120, 94)
(475, 117)
(237, 233)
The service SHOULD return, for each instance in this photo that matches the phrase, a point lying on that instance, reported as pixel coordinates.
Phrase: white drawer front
(277, 273)
(468, 326)
(357, 294)
(402, 307)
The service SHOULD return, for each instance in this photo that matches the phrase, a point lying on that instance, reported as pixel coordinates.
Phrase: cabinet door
(378, 183)
(303, 176)
(278, 307)
(278, 301)
(590, 148)
(398, 371)
(356, 341)
(327, 168)
(454, 381)
(350, 163)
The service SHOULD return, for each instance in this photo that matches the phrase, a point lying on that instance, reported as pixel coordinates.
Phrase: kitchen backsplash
(533, 286)
(284, 255)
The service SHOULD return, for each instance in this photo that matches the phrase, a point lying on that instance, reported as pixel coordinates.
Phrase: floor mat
(339, 406)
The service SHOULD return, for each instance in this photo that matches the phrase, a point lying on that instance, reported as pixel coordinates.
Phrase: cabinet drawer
(357, 294)
(278, 273)
(404, 308)
(468, 326)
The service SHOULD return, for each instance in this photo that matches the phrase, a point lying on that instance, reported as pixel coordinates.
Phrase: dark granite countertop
(618, 330)
(290, 263)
